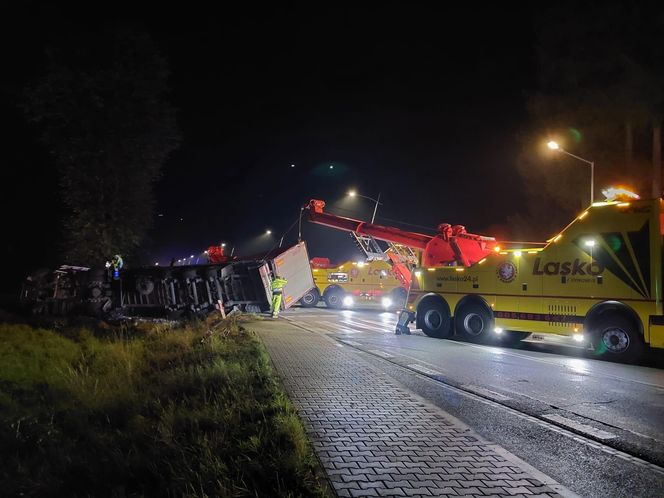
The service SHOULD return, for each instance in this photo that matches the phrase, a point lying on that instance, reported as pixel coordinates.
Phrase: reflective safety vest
(278, 285)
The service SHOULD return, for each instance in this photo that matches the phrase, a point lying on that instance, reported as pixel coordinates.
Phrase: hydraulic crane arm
(452, 245)
(388, 234)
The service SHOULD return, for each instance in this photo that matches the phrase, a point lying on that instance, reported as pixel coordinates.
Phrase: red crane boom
(451, 246)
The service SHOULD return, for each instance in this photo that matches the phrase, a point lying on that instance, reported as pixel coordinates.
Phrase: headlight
(348, 301)
(387, 302)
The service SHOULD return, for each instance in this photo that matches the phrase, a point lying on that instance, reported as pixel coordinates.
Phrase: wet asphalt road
(596, 427)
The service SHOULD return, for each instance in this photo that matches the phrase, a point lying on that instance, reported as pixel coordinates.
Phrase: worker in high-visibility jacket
(278, 284)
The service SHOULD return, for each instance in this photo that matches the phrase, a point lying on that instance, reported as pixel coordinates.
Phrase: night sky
(419, 104)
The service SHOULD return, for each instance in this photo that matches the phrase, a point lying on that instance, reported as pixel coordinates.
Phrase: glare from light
(205, 252)
(553, 145)
(590, 243)
(496, 249)
(612, 193)
(292, 165)
(352, 193)
(360, 264)
(498, 330)
(577, 365)
(268, 232)
(331, 166)
(348, 301)
(386, 302)
(191, 256)
(418, 273)
(517, 254)
(223, 244)
(578, 337)
(157, 263)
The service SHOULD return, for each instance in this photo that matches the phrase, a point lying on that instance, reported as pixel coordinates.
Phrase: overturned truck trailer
(169, 291)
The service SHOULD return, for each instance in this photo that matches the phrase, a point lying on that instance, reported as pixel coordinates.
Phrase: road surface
(594, 426)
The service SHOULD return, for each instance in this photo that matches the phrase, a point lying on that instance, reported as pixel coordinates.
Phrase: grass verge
(147, 410)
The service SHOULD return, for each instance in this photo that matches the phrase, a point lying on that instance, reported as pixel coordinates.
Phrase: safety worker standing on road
(278, 284)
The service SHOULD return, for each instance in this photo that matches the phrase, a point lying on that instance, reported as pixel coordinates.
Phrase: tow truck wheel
(616, 338)
(334, 298)
(310, 299)
(434, 319)
(474, 323)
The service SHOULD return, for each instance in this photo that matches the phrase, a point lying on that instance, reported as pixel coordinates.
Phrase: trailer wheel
(334, 297)
(616, 338)
(310, 299)
(434, 319)
(474, 323)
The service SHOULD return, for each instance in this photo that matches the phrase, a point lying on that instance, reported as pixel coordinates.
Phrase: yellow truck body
(356, 284)
(598, 280)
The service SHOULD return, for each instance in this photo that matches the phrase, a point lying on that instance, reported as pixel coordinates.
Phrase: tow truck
(355, 283)
(597, 282)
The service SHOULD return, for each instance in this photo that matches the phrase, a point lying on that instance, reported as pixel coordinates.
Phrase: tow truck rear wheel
(334, 298)
(616, 338)
(474, 323)
(310, 299)
(434, 319)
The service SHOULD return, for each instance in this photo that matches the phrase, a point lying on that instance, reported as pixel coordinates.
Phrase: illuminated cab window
(337, 277)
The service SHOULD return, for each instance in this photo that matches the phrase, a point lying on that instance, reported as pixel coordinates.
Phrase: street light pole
(352, 193)
(375, 209)
(554, 146)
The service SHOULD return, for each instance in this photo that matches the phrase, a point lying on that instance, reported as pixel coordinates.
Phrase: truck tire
(434, 319)
(474, 323)
(310, 299)
(616, 338)
(334, 298)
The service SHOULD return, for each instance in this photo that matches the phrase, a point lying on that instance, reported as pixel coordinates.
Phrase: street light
(352, 193)
(554, 146)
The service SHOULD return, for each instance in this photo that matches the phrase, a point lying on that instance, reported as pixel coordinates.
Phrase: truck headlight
(348, 301)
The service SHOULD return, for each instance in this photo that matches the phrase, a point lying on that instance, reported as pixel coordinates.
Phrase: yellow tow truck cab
(354, 284)
(599, 281)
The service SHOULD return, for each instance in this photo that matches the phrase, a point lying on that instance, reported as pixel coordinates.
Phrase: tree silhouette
(103, 113)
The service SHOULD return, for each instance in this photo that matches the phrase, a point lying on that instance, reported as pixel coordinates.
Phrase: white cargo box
(293, 265)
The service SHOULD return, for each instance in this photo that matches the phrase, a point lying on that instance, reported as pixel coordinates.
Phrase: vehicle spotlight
(498, 330)
(349, 301)
(386, 302)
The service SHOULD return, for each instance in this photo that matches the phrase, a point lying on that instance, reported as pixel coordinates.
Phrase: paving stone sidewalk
(375, 438)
